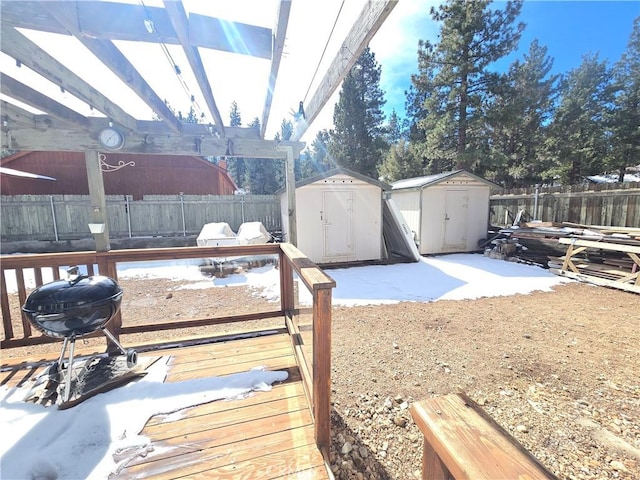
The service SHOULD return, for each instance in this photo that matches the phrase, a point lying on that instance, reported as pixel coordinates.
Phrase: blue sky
(569, 29)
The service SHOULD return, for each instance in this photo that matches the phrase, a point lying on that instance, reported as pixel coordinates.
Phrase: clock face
(111, 138)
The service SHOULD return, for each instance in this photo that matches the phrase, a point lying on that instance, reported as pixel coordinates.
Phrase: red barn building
(139, 175)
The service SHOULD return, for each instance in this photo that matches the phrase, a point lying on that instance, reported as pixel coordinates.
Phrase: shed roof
(342, 171)
(422, 182)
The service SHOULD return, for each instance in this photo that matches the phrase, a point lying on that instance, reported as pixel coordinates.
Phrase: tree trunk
(462, 113)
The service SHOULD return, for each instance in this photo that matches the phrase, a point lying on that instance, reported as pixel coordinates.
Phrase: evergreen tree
(578, 140)
(515, 121)
(357, 142)
(315, 160)
(624, 122)
(453, 77)
(400, 163)
(260, 172)
(396, 129)
(236, 166)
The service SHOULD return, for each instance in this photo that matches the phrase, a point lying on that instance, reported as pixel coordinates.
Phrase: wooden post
(322, 366)
(291, 193)
(287, 301)
(98, 202)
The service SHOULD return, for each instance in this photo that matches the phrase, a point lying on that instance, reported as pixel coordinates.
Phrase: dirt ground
(558, 370)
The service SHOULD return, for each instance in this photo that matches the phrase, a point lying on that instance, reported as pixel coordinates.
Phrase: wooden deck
(268, 435)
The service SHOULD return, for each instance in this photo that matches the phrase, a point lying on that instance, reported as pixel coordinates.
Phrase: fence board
(30, 217)
(609, 204)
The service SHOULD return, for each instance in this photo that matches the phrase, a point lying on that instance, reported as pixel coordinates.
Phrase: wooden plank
(279, 391)
(95, 20)
(109, 55)
(230, 434)
(316, 473)
(322, 367)
(247, 459)
(37, 273)
(198, 322)
(618, 247)
(284, 8)
(213, 420)
(22, 298)
(178, 18)
(231, 360)
(4, 306)
(19, 91)
(371, 17)
(597, 281)
(470, 443)
(279, 363)
(227, 351)
(15, 117)
(98, 201)
(19, 47)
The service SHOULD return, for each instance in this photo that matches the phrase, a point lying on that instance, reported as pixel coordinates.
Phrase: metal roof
(422, 182)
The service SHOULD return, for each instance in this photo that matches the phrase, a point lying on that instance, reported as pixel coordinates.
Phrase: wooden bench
(462, 442)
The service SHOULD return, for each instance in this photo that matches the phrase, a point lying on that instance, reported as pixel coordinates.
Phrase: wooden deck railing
(313, 352)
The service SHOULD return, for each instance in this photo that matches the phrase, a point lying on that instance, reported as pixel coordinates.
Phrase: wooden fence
(66, 217)
(616, 204)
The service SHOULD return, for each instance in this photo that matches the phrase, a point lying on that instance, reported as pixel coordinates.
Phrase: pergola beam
(96, 20)
(14, 117)
(284, 9)
(108, 54)
(23, 50)
(372, 16)
(19, 91)
(70, 139)
(178, 17)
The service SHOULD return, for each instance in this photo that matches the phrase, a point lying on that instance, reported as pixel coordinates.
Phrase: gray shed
(448, 212)
(338, 217)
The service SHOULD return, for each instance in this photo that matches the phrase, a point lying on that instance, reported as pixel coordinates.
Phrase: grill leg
(64, 349)
(67, 389)
(114, 340)
(132, 356)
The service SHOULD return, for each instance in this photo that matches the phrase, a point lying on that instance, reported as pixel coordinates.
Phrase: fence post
(128, 208)
(184, 225)
(242, 205)
(535, 203)
(53, 214)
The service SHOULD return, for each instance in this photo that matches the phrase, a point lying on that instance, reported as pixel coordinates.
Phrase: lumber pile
(602, 255)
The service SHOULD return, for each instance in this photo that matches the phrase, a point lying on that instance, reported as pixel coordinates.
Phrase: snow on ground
(446, 277)
(84, 441)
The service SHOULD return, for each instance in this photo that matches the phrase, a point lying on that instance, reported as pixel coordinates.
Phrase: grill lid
(63, 296)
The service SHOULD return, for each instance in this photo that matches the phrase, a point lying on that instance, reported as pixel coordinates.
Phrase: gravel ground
(559, 370)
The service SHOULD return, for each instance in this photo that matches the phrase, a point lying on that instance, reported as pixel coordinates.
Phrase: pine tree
(315, 160)
(236, 166)
(624, 122)
(578, 140)
(515, 120)
(400, 163)
(357, 142)
(453, 77)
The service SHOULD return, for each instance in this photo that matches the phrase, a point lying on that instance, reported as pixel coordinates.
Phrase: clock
(111, 138)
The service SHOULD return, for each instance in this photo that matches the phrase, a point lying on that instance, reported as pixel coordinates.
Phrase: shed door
(455, 218)
(337, 223)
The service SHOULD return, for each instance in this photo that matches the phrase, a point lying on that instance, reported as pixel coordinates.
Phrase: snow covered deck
(266, 434)
(278, 427)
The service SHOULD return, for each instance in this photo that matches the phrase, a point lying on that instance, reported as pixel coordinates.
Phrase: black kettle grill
(73, 308)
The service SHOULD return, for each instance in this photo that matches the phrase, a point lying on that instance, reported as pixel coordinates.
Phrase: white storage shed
(338, 216)
(448, 212)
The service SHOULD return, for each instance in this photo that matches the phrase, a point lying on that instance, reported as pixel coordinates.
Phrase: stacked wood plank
(603, 255)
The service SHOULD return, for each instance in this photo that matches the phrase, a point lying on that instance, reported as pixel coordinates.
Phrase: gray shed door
(337, 223)
(455, 224)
